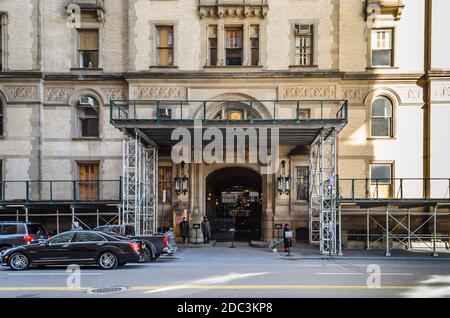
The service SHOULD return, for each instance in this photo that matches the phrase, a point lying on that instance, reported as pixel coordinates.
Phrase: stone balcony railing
(393, 8)
(240, 8)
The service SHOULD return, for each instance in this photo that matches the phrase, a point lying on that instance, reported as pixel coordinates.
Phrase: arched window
(381, 118)
(1, 119)
(235, 111)
(88, 115)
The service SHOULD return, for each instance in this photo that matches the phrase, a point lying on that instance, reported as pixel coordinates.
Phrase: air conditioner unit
(303, 29)
(165, 113)
(86, 101)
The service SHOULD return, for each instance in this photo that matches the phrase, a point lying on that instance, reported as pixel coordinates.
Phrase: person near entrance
(206, 230)
(287, 238)
(184, 229)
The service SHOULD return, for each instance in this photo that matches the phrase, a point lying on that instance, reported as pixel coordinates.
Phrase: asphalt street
(224, 272)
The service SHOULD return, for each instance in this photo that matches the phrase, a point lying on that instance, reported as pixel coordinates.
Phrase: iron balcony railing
(60, 191)
(393, 188)
(231, 2)
(222, 111)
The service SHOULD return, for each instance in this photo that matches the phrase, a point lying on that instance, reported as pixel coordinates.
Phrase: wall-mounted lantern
(284, 181)
(181, 181)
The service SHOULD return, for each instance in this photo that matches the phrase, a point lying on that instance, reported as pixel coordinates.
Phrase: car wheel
(108, 260)
(145, 256)
(19, 262)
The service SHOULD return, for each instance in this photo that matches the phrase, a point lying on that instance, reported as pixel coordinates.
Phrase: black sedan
(77, 248)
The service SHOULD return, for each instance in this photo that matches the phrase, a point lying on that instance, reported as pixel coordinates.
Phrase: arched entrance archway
(233, 199)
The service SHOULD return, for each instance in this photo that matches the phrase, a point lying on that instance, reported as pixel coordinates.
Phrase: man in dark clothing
(206, 230)
(184, 229)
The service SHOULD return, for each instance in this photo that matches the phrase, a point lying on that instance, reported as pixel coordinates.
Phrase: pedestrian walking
(206, 230)
(287, 237)
(184, 229)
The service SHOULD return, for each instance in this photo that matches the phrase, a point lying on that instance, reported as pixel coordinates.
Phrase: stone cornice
(233, 8)
(392, 8)
(192, 75)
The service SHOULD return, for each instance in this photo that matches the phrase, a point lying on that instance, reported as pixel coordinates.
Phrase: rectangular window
(302, 174)
(88, 48)
(88, 181)
(254, 40)
(382, 47)
(1, 180)
(304, 48)
(1, 42)
(233, 46)
(165, 183)
(164, 45)
(381, 173)
(212, 42)
(1, 119)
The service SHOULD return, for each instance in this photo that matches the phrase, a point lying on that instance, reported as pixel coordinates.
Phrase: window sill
(371, 68)
(86, 139)
(163, 67)
(95, 69)
(304, 66)
(381, 138)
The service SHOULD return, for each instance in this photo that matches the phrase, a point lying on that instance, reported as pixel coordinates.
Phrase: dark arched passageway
(233, 200)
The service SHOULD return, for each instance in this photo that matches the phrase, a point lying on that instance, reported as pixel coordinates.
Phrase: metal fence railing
(226, 111)
(393, 188)
(60, 191)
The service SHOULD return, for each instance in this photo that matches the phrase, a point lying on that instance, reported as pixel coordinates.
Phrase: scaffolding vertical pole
(434, 231)
(26, 215)
(340, 230)
(409, 229)
(323, 192)
(387, 232)
(139, 198)
(57, 221)
(368, 229)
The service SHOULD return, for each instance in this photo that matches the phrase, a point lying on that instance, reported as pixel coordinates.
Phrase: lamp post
(181, 181)
(284, 181)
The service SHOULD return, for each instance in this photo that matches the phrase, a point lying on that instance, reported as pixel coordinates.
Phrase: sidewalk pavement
(302, 251)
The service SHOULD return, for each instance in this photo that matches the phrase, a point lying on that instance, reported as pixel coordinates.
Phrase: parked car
(74, 247)
(14, 234)
(156, 245)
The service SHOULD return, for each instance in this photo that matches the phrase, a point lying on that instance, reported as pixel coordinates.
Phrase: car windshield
(36, 229)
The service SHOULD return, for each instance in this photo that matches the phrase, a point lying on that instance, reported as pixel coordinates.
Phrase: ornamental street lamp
(181, 181)
(284, 181)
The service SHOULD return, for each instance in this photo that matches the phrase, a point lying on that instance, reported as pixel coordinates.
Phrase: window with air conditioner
(88, 118)
(304, 44)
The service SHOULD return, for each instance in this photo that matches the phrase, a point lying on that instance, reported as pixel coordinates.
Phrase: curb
(384, 258)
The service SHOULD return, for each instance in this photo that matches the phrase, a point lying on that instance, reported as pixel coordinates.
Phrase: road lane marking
(43, 289)
(52, 274)
(364, 274)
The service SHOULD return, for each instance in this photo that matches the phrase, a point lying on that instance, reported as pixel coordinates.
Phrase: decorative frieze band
(354, 94)
(21, 93)
(58, 95)
(159, 93)
(115, 93)
(441, 92)
(312, 92)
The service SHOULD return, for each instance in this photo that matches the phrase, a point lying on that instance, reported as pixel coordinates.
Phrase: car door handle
(65, 245)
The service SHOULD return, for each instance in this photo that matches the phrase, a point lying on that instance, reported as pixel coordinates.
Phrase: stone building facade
(388, 58)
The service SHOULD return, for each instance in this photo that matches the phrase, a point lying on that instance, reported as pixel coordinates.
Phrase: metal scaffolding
(398, 228)
(323, 192)
(139, 200)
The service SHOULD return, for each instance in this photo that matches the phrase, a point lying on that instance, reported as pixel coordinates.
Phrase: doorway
(234, 201)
